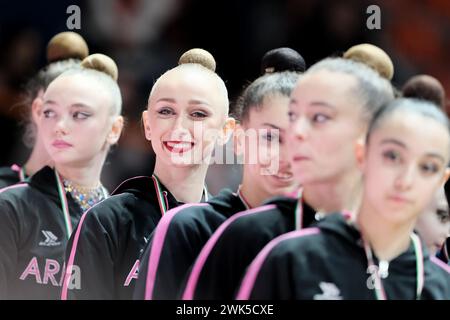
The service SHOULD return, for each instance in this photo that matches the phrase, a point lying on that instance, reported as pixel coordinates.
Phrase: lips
(284, 175)
(61, 144)
(178, 146)
(298, 158)
(399, 199)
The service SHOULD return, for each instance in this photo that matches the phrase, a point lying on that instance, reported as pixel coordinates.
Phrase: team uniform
(177, 241)
(111, 237)
(36, 221)
(11, 175)
(222, 262)
(444, 253)
(332, 262)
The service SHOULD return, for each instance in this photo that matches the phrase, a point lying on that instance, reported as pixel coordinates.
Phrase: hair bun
(372, 56)
(102, 63)
(199, 56)
(425, 87)
(282, 59)
(66, 45)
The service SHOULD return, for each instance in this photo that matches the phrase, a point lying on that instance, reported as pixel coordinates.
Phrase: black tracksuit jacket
(33, 238)
(222, 262)
(329, 262)
(8, 177)
(177, 241)
(110, 239)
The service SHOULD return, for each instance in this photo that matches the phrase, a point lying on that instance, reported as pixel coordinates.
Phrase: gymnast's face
(325, 123)
(262, 141)
(76, 122)
(404, 166)
(187, 113)
(433, 224)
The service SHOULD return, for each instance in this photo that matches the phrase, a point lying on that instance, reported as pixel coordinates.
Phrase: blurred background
(146, 37)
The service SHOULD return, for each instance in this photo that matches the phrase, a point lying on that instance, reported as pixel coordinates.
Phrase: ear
(36, 109)
(227, 131)
(239, 140)
(116, 130)
(146, 124)
(360, 153)
(446, 175)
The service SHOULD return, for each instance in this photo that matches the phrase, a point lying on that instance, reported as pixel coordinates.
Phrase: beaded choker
(85, 197)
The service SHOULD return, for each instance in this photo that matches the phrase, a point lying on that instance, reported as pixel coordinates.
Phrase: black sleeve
(225, 265)
(272, 279)
(180, 243)
(9, 235)
(91, 251)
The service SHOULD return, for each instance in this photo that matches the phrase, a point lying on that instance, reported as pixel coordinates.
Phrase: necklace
(382, 270)
(85, 197)
(299, 210)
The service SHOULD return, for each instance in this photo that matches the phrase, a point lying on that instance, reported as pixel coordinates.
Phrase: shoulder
(437, 279)
(305, 240)
(438, 267)
(254, 217)
(8, 177)
(249, 225)
(195, 214)
(20, 193)
(115, 207)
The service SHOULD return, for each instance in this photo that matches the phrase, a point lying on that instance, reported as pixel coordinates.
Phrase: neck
(332, 196)
(86, 175)
(184, 183)
(38, 159)
(253, 195)
(387, 240)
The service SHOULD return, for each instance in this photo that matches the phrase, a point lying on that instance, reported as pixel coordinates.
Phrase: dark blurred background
(146, 37)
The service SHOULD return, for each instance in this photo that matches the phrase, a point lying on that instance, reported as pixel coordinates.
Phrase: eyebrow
(322, 104)
(81, 105)
(166, 100)
(394, 141)
(272, 126)
(402, 145)
(192, 101)
(76, 105)
(49, 102)
(315, 104)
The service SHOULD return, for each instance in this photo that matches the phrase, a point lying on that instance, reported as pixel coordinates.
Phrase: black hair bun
(282, 59)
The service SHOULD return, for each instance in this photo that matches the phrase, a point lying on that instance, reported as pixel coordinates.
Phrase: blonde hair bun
(67, 45)
(102, 63)
(199, 56)
(372, 56)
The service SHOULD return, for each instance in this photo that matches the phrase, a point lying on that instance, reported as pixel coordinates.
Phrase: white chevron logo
(50, 239)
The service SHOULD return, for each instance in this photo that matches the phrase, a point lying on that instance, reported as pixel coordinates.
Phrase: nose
(299, 129)
(180, 127)
(61, 126)
(405, 178)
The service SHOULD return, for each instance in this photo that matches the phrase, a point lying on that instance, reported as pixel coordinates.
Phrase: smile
(178, 146)
(284, 176)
